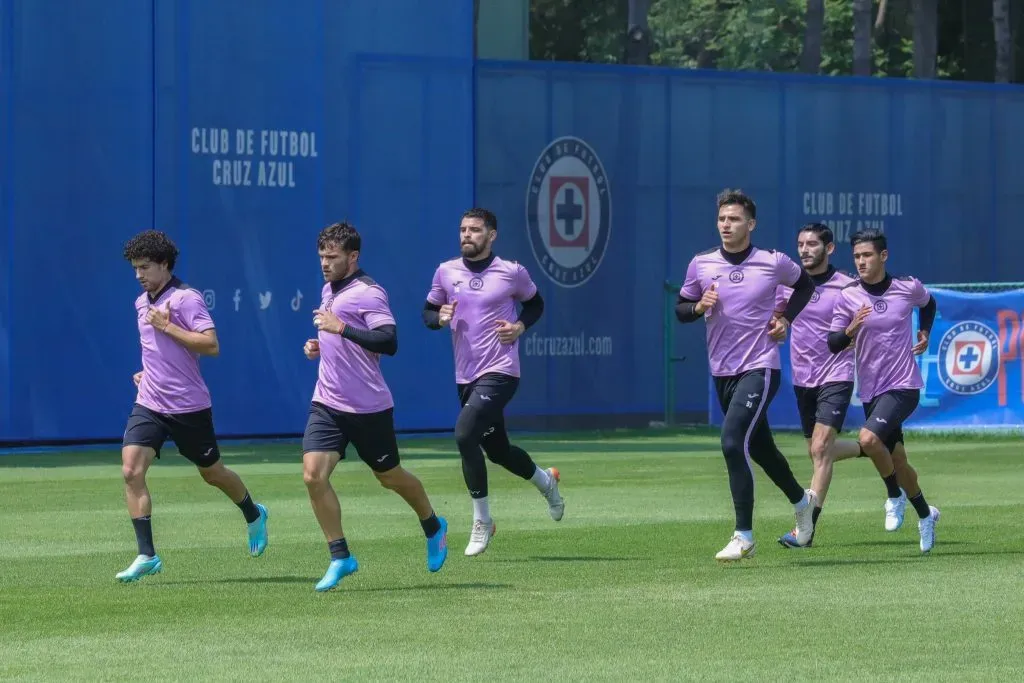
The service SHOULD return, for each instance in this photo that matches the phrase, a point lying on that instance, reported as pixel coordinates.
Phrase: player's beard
(816, 262)
(471, 251)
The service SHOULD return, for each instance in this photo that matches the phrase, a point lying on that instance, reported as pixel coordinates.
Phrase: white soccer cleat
(894, 510)
(480, 537)
(737, 549)
(556, 504)
(804, 527)
(927, 528)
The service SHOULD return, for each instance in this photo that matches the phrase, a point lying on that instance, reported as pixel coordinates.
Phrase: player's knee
(732, 445)
(466, 436)
(820, 450)
(392, 479)
(134, 473)
(213, 475)
(314, 477)
(868, 440)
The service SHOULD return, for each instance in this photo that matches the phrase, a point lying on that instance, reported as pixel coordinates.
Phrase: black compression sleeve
(532, 310)
(383, 339)
(803, 290)
(928, 314)
(685, 312)
(837, 341)
(431, 317)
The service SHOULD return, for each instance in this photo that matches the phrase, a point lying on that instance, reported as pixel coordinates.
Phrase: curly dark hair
(152, 245)
(343, 235)
(728, 196)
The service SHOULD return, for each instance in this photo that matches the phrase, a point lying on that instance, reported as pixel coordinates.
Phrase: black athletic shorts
(192, 433)
(490, 393)
(885, 414)
(826, 405)
(372, 435)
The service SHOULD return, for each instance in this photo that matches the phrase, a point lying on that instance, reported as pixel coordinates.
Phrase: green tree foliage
(768, 35)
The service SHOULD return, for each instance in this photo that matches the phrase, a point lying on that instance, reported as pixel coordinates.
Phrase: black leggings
(481, 424)
(746, 436)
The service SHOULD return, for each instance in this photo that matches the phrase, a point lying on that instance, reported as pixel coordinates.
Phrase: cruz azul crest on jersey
(969, 358)
(569, 211)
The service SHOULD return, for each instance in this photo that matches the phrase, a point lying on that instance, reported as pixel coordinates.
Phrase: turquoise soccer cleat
(437, 547)
(142, 566)
(258, 532)
(336, 571)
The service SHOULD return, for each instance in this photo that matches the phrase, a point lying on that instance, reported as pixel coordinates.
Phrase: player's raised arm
(381, 335)
(437, 311)
(922, 298)
(792, 275)
(692, 302)
(196, 332)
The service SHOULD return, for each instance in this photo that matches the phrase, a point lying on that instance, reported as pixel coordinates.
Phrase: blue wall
(940, 157)
(111, 116)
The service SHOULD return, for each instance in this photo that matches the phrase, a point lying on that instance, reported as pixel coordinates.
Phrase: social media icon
(265, 300)
(237, 298)
(297, 300)
(210, 298)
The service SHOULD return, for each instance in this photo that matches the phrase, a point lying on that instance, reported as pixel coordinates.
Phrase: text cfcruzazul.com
(576, 345)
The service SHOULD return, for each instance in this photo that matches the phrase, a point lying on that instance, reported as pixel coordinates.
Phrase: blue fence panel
(240, 144)
(290, 123)
(81, 177)
(566, 160)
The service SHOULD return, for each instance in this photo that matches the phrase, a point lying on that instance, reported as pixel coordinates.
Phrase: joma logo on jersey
(568, 211)
(969, 358)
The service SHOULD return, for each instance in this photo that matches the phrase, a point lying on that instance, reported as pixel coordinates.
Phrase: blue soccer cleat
(437, 547)
(336, 571)
(788, 540)
(142, 566)
(258, 532)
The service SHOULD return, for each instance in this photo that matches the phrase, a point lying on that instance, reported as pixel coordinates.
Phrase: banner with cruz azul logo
(973, 370)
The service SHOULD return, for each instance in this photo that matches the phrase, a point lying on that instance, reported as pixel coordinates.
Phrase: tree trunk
(880, 19)
(926, 37)
(1004, 41)
(810, 58)
(638, 34)
(862, 36)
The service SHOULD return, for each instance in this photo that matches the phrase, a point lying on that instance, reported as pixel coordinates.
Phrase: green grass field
(624, 588)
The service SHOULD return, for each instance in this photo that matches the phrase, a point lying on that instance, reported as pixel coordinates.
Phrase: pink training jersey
(483, 298)
(884, 346)
(812, 362)
(737, 326)
(350, 379)
(171, 381)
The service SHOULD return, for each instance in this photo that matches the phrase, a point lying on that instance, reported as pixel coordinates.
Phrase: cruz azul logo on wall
(969, 358)
(569, 211)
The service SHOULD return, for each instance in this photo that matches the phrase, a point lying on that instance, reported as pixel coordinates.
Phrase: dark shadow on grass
(569, 558)
(934, 556)
(428, 587)
(887, 544)
(250, 579)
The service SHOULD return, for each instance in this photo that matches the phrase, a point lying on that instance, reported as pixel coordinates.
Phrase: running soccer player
(175, 329)
(876, 312)
(476, 296)
(352, 403)
(822, 381)
(733, 288)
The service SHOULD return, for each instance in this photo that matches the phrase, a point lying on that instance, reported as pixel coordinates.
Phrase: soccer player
(876, 312)
(822, 381)
(352, 403)
(733, 287)
(173, 401)
(476, 296)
